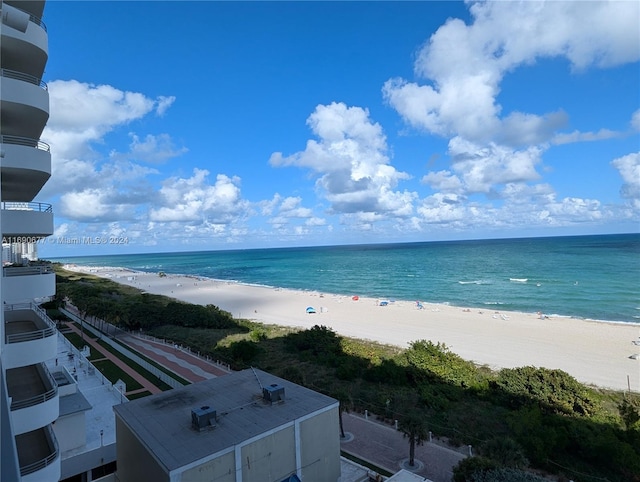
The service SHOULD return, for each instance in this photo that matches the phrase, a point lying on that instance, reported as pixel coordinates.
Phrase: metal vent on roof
(273, 393)
(203, 417)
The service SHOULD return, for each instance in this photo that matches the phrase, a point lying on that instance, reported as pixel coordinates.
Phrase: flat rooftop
(96, 391)
(163, 421)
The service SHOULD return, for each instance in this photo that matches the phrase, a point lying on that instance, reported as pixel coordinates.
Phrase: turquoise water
(595, 277)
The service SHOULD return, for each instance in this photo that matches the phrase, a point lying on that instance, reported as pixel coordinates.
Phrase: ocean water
(595, 277)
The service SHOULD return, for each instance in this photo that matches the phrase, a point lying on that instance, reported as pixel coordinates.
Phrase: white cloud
(61, 230)
(577, 136)
(443, 208)
(81, 115)
(350, 159)
(291, 208)
(480, 167)
(444, 181)
(154, 149)
(629, 168)
(92, 205)
(163, 103)
(466, 64)
(194, 200)
(527, 129)
(115, 192)
(516, 206)
(635, 121)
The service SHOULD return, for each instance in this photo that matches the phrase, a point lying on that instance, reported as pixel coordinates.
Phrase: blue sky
(181, 126)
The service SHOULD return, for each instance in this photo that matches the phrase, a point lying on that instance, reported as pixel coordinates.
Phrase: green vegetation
(129, 308)
(113, 373)
(517, 419)
(145, 373)
(76, 340)
(134, 396)
(155, 364)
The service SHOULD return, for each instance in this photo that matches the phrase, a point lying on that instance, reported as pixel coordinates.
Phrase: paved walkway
(386, 447)
(116, 361)
(188, 366)
(185, 364)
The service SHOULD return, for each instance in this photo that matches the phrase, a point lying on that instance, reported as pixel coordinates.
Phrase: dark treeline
(520, 422)
(136, 310)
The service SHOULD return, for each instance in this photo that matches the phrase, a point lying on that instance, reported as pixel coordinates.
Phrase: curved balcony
(27, 282)
(30, 335)
(26, 220)
(26, 167)
(24, 42)
(25, 104)
(38, 455)
(33, 7)
(34, 397)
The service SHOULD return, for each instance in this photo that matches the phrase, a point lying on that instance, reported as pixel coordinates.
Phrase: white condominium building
(29, 400)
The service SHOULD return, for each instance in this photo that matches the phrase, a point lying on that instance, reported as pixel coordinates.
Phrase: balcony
(25, 104)
(26, 220)
(9, 468)
(34, 397)
(38, 455)
(30, 335)
(26, 167)
(24, 38)
(33, 7)
(21, 283)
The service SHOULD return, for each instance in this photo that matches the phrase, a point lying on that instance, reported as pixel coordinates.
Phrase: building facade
(249, 426)
(30, 398)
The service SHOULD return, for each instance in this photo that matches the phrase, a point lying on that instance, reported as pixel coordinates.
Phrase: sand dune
(593, 352)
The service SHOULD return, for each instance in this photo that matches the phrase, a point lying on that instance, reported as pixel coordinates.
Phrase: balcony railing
(32, 18)
(9, 271)
(12, 74)
(41, 397)
(38, 22)
(26, 206)
(35, 334)
(25, 141)
(44, 462)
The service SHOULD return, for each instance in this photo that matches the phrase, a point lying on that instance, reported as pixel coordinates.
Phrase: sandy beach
(593, 352)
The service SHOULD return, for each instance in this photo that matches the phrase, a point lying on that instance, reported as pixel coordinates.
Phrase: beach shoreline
(593, 351)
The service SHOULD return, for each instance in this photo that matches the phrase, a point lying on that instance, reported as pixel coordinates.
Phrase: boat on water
(519, 280)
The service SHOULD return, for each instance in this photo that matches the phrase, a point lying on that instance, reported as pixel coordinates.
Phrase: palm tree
(414, 427)
(83, 308)
(345, 405)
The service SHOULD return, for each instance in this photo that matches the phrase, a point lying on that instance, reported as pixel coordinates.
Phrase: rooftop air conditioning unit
(273, 393)
(203, 417)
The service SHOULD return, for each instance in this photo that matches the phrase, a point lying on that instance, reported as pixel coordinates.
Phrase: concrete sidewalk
(188, 366)
(387, 448)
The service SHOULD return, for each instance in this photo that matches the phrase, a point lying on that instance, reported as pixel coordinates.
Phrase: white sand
(593, 352)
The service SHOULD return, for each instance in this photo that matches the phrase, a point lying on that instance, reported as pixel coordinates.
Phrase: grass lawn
(113, 373)
(146, 393)
(76, 340)
(155, 364)
(145, 373)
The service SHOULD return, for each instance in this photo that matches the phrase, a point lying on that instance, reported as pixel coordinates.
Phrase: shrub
(469, 467)
(244, 351)
(506, 452)
(554, 391)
